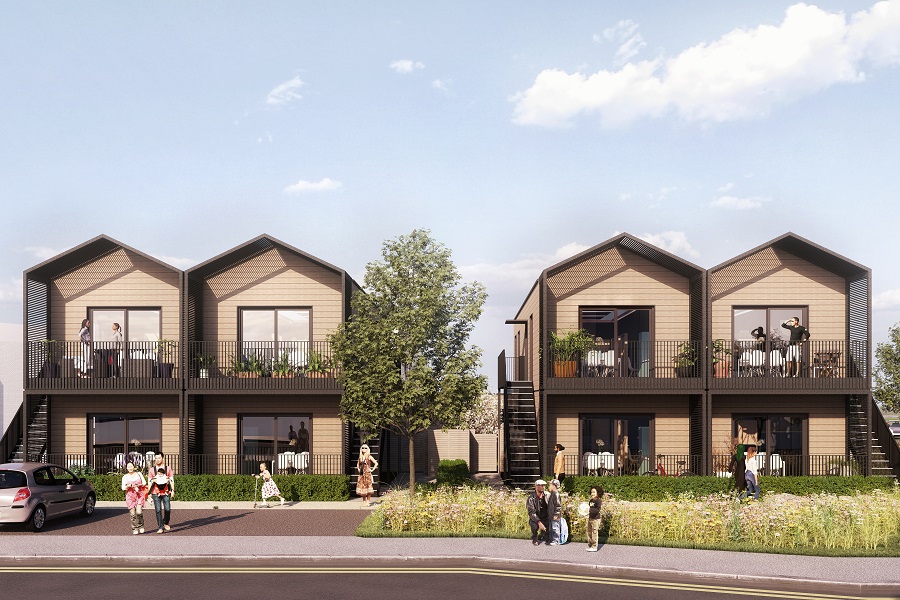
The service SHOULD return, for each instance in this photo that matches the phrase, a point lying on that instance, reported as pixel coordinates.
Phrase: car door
(70, 491)
(47, 491)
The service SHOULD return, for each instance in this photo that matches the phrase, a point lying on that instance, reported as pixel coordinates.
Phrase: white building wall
(10, 373)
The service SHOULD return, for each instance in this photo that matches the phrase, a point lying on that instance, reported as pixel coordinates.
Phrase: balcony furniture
(751, 363)
(825, 364)
(776, 362)
(293, 462)
(590, 463)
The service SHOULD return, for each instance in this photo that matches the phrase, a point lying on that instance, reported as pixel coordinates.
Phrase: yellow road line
(598, 580)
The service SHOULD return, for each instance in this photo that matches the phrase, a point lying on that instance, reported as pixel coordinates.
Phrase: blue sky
(518, 132)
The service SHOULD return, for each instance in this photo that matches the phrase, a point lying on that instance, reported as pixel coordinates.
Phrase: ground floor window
(623, 443)
(117, 439)
(781, 440)
(276, 440)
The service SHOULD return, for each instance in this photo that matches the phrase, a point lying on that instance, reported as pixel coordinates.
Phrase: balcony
(52, 365)
(663, 365)
(776, 365)
(288, 366)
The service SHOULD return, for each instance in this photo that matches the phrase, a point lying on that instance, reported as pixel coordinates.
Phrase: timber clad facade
(218, 367)
(684, 360)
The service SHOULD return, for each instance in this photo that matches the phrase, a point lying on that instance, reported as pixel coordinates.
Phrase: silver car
(31, 493)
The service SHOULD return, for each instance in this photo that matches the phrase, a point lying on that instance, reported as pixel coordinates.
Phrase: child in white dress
(269, 489)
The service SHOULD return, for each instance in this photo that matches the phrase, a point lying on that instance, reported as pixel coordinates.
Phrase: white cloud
(675, 242)
(744, 74)
(888, 300)
(735, 203)
(264, 138)
(42, 253)
(285, 92)
(11, 290)
(439, 84)
(724, 188)
(625, 34)
(406, 66)
(325, 185)
(519, 274)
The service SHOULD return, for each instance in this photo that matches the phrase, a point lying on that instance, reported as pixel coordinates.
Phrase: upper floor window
(137, 324)
(275, 325)
(749, 322)
(617, 324)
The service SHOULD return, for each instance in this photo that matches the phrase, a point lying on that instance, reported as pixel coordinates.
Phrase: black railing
(607, 463)
(818, 359)
(790, 464)
(653, 360)
(199, 464)
(52, 364)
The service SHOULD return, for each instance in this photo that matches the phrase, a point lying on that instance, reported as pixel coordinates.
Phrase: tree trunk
(412, 466)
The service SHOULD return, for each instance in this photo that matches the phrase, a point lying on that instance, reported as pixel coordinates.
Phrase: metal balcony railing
(52, 364)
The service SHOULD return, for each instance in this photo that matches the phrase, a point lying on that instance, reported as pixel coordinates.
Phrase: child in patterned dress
(269, 489)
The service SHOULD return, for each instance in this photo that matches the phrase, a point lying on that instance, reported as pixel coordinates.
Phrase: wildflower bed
(864, 524)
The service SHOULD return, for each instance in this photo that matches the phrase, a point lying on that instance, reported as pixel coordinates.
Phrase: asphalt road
(274, 521)
(361, 581)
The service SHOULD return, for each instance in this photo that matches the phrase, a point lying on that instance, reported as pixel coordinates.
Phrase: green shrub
(643, 488)
(453, 472)
(225, 488)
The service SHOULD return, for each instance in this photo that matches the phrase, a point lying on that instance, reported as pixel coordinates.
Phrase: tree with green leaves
(404, 362)
(887, 371)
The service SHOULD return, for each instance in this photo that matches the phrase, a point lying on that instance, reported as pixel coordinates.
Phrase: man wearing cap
(538, 516)
(162, 489)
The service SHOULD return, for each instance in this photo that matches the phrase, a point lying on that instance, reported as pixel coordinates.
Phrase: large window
(263, 438)
(626, 437)
(276, 333)
(746, 320)
(626, 331)
(138, 324)
(779, 438)
(114, 437)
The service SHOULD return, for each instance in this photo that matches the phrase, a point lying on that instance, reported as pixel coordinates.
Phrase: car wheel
(38, 519)
(89, 504)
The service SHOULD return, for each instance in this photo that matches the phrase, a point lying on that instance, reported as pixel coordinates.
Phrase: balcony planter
(52, 351)
(685, 361)
(720, 353)
(565, 350)
(165, 355)
(318, 366)
(565, 368)
(722, 369)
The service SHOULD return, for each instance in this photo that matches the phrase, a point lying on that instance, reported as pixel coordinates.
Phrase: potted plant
(720, 358)
(238, 367)
(565, 350)
(51, 351)
(317, 365)
(255, 367)
(282, 367)
(204, 362)
(685, 360)
(165, 357)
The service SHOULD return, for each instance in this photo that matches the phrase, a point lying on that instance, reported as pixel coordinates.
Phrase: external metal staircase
(523, 462)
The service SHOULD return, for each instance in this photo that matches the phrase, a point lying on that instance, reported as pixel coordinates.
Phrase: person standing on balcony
(116, 354)
(135, 487)
(365, 466)
(799, 334)
(559, 463)
(162, 488)
(759, 334)
(84, 334)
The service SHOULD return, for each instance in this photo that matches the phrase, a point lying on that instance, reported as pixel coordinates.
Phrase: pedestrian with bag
(162, 488)
(554, 510)
(538, 517)
(135, 487)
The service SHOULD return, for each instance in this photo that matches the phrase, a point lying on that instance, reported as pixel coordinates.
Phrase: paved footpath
(870, 576)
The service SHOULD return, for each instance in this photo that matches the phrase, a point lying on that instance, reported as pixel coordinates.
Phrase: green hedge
(225, 488)
(642, 488)
(453, 472)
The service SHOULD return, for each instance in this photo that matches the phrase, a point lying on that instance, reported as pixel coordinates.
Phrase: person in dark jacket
(554, 509)
(799, 334)
(739, 466)
(593, 527)
(538, 517)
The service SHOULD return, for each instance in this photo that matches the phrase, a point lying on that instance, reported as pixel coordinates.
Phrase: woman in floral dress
(269, 489)
(135, 487)
(365, 465)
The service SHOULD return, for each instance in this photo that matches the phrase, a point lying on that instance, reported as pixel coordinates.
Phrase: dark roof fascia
(82, 254)
(688, 269)
(810, 251)
(236, 255)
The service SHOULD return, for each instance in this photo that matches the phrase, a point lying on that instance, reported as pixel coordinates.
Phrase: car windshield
(11, 479)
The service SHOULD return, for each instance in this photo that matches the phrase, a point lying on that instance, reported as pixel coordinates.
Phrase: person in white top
(751, 473)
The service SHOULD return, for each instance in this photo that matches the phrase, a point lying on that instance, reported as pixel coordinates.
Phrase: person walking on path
(593, 525)
(554, 509)
(162, 488)
(135, 487)
(269, 489)
(751, 474)
(538, 517)
(365, 465)
(559, 463)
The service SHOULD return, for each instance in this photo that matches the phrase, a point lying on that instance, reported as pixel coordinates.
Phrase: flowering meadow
(862, 522)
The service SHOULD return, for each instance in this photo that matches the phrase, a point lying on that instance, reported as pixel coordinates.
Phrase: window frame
(127, 417)
(125, 325)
